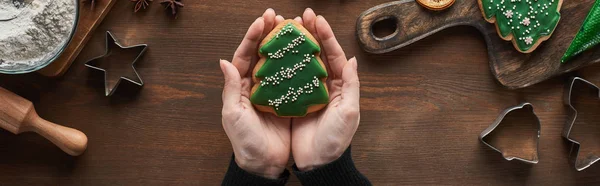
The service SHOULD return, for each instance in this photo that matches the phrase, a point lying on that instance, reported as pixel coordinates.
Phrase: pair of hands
(262, 141)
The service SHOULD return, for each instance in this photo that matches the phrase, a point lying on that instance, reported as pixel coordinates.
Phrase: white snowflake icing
(526, 21)
(508, 14)
(528, 40)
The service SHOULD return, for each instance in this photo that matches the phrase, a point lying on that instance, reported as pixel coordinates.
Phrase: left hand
(260, 141)
(322, 137)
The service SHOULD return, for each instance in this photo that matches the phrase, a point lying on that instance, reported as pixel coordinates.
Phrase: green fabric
(527, 20)
(588, 35)
(290, 78)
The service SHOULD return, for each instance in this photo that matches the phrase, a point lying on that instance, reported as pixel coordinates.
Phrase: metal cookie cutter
(111, 43)
(569, 125)
(499, 120)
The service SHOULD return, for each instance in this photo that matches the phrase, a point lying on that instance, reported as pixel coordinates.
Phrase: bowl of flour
(33, 33)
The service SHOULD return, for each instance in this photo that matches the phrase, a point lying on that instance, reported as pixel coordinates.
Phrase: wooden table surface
(422, 106)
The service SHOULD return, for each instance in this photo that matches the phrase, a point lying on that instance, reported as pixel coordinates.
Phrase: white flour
(9, 10)
(33, 31)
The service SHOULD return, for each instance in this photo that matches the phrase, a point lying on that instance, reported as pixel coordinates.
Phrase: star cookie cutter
(572, 116)
(111, 41)
(499, 120)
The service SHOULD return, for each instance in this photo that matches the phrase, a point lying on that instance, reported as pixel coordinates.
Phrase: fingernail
(354, 62)
(221, 65)
(320, 17)
(298, 17)
(257, 20)
(309, 9)
(268, 11)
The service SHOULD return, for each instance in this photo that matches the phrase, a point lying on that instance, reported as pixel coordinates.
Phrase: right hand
(261, 141)
(323, 136)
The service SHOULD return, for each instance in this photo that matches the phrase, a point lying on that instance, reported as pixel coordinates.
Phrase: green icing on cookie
(291, 74)
(527, 20)
(588, 35)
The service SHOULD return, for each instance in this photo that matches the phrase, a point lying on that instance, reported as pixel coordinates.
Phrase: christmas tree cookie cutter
(522, 22)
(111, 43)
(572, 117)
(500, 119)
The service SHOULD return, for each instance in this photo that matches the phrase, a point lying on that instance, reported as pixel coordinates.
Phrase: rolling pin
(17, 115)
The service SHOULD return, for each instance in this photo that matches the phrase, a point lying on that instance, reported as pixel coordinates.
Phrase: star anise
(173, 4)
(139, 4)
(93, 2)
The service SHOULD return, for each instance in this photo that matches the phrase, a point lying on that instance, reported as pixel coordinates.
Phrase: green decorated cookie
(289, 78)
(526, 22)
(588, 35)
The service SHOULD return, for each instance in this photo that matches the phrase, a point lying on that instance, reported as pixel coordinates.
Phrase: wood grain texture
(89, 19)
(423, 106)
(510, 67)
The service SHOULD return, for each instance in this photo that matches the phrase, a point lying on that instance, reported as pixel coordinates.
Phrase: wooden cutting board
(89, 19)
(512, 68)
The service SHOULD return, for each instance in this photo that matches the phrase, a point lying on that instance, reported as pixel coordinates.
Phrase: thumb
(351, 85)
(233, 84)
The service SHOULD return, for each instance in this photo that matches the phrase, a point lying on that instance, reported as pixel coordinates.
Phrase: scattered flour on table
(33, 31)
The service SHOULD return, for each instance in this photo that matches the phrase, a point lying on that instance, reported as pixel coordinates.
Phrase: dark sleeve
(237, 176)
(339, 172)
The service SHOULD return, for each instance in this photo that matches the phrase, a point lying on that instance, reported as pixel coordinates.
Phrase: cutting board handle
(71, 141)
(413, 23)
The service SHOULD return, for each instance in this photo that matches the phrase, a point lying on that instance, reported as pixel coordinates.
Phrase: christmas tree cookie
(526, 22)
(588, 35)
(289, 79)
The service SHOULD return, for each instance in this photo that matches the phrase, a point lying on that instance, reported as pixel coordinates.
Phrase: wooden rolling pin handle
(71, 141)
